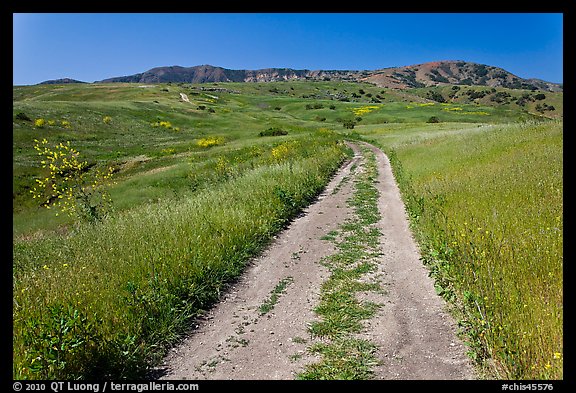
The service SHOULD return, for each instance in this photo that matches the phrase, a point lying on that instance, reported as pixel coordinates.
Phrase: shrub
(433, 119)
(544, 107)
(69, 185)
(349, 124)
(500, 97)
(22, 116)
(540, 96)
(435, 96)
(273, 131)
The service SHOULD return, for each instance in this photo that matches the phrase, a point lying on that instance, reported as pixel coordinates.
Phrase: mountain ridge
(435, 73)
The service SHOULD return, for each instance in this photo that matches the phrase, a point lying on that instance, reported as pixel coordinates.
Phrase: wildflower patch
(210, 141)
(365, 109)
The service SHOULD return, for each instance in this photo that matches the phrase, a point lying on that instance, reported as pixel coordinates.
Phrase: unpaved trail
(414, 334)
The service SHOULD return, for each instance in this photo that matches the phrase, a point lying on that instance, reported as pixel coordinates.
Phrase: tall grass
(106, 299)
(487, 207)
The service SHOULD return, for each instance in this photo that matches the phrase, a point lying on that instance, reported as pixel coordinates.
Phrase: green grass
(508, 100)
(343, 355)
(127, 285)
(269, 303)
(486, 205)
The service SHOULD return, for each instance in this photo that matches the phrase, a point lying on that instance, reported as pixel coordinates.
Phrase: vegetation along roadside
(486, 205)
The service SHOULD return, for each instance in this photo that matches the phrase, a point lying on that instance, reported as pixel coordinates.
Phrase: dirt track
(414, 334)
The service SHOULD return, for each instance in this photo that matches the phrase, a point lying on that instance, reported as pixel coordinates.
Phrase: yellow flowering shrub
(284, 150)
(68, 185)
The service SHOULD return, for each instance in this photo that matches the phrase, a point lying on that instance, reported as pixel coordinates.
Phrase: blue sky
(91, 47)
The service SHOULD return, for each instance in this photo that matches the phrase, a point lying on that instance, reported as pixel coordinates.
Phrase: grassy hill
(197, 191)
(235, 111)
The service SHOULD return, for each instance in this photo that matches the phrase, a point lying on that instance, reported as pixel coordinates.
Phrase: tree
(540, 96)
(436, 96)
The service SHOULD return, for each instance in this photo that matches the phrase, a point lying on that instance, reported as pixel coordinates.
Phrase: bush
(273, 131)
(433, 119)
(70, 186)
(349, 124)
(435, 96)
(22, 116)
(540, 96)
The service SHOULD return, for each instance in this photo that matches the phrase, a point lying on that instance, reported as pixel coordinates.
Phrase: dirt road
(240, 339)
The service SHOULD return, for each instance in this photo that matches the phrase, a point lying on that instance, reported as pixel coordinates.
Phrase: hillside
(439, 73)
(76, 112)
(421, 75)
(210, 74)
(60, 81)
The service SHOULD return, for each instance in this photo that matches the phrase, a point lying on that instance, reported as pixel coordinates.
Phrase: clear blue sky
(91, 47)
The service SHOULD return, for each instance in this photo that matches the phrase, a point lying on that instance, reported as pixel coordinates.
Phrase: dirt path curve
(238, 339)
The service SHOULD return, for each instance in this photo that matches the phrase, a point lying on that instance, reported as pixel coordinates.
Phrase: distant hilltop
(447, 72)
(60, 81)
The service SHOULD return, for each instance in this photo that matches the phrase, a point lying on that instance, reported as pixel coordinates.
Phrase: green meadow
(486, 205)
(197, 192)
